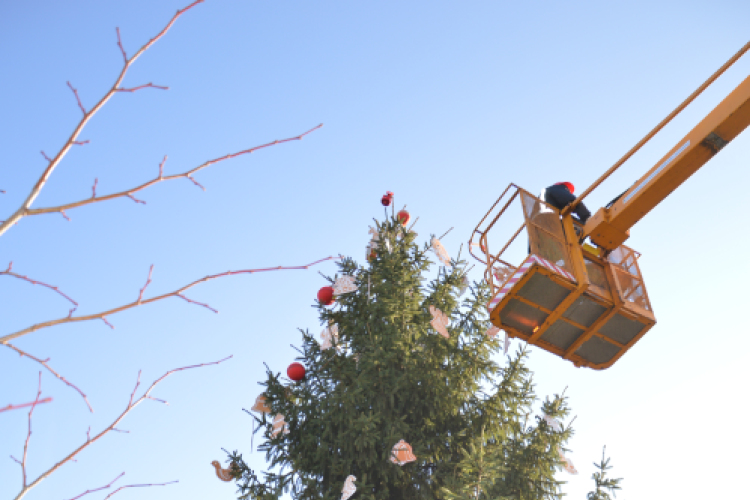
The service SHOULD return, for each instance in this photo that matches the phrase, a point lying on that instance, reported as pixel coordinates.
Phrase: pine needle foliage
(604, 485)
(391, 376)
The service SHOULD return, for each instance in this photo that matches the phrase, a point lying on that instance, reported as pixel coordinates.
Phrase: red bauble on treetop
(403, 217)
(296, 372)
(325, 295)
(387, 198)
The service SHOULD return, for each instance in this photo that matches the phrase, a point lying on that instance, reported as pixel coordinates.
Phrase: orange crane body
(584, 304)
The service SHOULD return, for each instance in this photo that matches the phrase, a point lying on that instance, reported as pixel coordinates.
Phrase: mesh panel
(597, 275)
(629, 277)
(625, 258)
(632, 290)
(546, 236)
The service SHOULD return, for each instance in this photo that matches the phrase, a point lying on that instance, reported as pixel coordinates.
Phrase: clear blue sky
(443, 103)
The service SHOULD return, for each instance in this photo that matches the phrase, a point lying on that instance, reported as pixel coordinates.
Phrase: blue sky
(443, 103)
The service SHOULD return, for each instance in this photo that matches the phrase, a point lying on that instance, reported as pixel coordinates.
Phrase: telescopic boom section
(609, 227)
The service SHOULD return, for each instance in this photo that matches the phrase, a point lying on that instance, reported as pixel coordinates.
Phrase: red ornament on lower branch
(296, 372)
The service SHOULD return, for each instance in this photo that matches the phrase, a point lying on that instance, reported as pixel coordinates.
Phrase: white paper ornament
(349, 488)
(279, 425)
(506, 344)
(439, 321)
(345, 284)
(567, 463)
(492, 331)
(328, 335)
(440, 251)
(373, 244)
(464, 285)
(552, 422)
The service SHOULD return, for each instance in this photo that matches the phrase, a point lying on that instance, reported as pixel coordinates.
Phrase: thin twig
(80, 104)
(138, 486)
(148, 281)
(147, 85)
(448, 231)
(99, 489)
(28, 436)
(43, 362)
(34, 282)
(25, 405)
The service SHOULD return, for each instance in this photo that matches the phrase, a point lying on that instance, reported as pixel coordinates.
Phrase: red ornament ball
(403, 217)
(387, 199)
(325, 295)
(296, 372)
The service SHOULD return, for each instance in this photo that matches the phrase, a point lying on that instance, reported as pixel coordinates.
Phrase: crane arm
(609, 227)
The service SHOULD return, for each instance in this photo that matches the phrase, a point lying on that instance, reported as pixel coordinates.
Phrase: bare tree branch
(22, 211)
(138, 486)
(120, 488)
(89, 441)
(34, 282)
(100, 488)
(176, 293)
(25, 405)
(22, 462)
(188, 175)
(43, 362)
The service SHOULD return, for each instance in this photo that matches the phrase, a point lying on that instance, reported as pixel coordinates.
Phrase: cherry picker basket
(552, 291)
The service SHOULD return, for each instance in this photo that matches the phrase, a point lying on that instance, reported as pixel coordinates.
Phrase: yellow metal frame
(614, 300)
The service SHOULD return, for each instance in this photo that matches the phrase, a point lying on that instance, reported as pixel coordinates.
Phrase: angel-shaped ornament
(440, 251)
(260, 405)
(464, 285)
(279, 425)
(567, 463)
(492, 331)
(349, 488)
(373, 244)
(328, 335)
(439, 321)
(402, 453)
(552, 422)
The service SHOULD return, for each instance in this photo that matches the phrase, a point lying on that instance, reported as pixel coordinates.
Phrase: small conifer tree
(604, 485)
(389, 376)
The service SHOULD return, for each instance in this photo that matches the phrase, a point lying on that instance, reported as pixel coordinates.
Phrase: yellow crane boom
(609, 227)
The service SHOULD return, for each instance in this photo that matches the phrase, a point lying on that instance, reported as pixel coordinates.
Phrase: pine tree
(389, 377)
(602, 482)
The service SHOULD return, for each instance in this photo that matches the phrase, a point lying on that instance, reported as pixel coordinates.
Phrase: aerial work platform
(563, 297)
(583, 303)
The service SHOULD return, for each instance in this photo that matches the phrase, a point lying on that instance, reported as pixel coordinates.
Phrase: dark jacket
(559, 197)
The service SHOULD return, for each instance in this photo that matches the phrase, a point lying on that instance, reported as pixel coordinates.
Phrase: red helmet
(568, 185)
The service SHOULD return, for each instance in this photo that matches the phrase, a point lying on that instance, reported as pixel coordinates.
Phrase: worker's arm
(561, 198)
